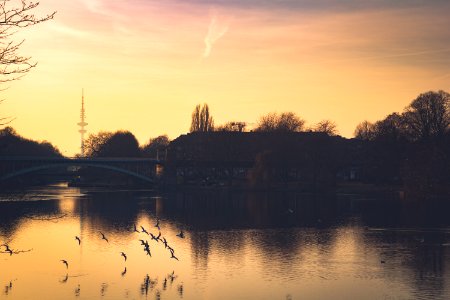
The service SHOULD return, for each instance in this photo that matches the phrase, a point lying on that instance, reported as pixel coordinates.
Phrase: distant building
(259, 159)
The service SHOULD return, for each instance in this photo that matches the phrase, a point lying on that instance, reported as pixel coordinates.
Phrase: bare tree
(365, 131)
(326, 126)
(5, 120)
(232, 126)
(428, 115)
(284, 122)
(201, 119)
(95, 142)
(154, 145)
(15, 15)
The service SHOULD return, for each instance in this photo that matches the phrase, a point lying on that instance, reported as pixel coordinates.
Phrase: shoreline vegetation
(404, 154)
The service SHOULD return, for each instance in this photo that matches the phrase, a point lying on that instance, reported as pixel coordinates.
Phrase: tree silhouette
(154, 145)
(391, 128)
(95, 143)
(232, 126)
(326, 126)
(365, 131)
(201, 119)
(14, 16)
(107, 144)
(284, 122)
(428, 115)
(12, 144)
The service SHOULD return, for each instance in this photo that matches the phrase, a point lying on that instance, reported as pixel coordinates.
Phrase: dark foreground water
(236, 246)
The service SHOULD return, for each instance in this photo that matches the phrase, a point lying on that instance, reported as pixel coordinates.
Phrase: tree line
(123, 143)
(202, 121)
(12, 144)
(427, 117)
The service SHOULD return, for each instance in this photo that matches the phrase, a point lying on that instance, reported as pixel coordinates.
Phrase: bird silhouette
(135, 229)
(65, 262)
(157, 224)
(181, 234)
(164, 242)
(173, 256)
(104, 237)
(77, 291)
(180, 290)
(124, 272)
(78, 239)
(147, 249)
(7, 249)
(64, 280)
(154, 237)
(124, 255)
(172, 276)
(143, 230)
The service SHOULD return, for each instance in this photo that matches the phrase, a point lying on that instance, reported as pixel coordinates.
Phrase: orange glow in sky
(144, 65)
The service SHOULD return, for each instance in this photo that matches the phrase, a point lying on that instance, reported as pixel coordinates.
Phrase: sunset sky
(144, 65)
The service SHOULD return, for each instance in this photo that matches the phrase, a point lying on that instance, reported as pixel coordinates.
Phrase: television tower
(82, 123)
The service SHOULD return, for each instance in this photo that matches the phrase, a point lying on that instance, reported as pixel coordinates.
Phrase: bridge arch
(87, 164)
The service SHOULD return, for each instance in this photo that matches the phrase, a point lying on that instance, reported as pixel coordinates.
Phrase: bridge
(145, 169)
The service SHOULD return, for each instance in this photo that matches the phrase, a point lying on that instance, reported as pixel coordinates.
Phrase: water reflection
(236, 245)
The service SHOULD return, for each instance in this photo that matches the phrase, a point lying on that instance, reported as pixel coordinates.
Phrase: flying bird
(124, 255)
(124, 272)
(7, 249)
(173, 256)
(64, 280)
(104, 237)
(154, 237)
(135, 229)
(147, 249)
(157, 224)
(143, 230)
(181, 234)
(65, 262)
(78, 239)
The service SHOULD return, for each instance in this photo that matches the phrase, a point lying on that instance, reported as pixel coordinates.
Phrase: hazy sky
(144, 65)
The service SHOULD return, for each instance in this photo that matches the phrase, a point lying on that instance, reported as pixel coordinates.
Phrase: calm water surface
(236, 246)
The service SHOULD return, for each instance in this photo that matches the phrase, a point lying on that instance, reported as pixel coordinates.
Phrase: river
(236, 246)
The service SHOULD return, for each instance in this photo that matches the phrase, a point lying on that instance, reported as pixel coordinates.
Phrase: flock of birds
(157, 238)
(148, 283)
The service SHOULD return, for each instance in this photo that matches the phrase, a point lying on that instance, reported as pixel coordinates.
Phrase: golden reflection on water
(227, 263)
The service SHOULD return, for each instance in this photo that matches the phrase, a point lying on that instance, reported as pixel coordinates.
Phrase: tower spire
(82, 123)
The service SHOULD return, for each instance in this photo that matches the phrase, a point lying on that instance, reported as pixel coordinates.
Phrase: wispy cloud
(216, 30)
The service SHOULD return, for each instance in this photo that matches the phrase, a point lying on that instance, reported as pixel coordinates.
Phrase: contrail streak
(215, 32)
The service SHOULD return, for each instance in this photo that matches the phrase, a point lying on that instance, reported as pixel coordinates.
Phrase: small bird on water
(65, 262)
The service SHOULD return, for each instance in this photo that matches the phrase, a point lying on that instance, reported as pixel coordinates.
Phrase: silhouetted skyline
(345, 61)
